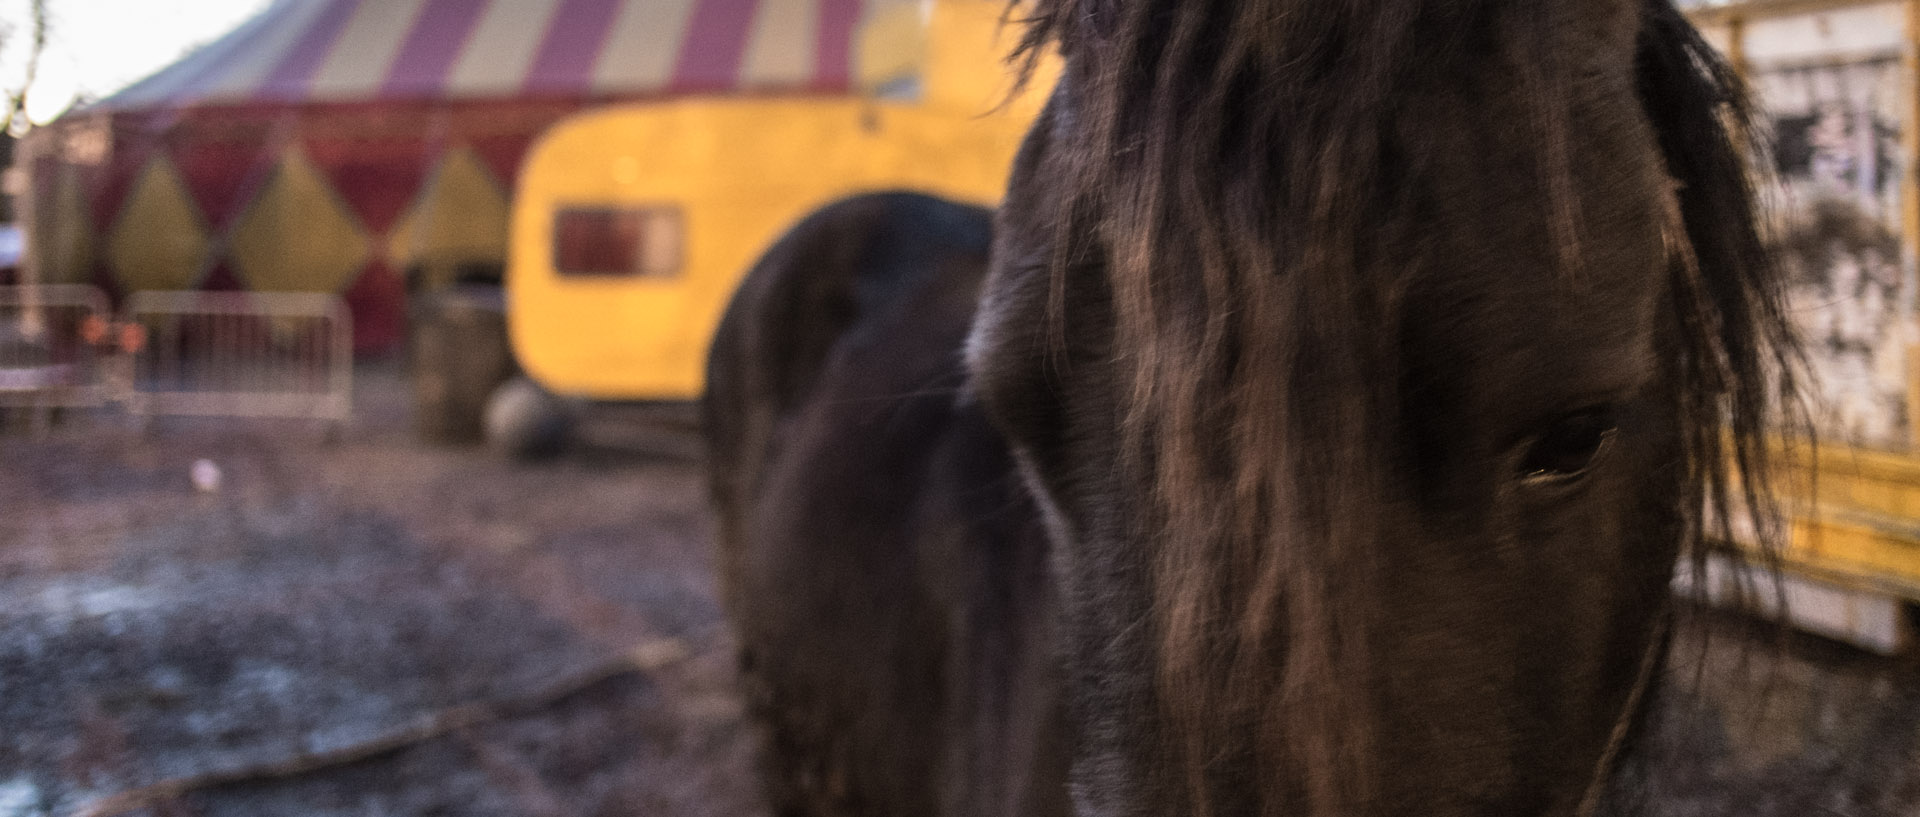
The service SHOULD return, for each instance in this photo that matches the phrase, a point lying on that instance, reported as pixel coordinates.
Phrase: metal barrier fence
(52, 343)
(240, 354)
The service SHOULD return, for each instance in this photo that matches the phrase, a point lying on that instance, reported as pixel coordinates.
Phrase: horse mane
(1742, 354)
(1236, 166)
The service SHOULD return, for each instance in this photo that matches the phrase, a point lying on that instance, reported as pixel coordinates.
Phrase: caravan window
(642, 242)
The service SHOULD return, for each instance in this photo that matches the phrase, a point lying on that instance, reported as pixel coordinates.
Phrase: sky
(96, 47)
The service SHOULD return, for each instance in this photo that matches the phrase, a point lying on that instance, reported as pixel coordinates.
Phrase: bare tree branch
(16, 98)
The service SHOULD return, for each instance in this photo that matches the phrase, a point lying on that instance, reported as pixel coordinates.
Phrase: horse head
(1373, 362)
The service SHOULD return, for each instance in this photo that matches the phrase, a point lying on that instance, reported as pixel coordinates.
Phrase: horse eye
(1569, 446)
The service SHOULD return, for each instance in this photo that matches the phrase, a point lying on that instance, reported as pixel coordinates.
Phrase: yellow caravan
(632, 225)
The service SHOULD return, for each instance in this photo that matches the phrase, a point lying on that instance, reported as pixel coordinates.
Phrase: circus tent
(344, 145)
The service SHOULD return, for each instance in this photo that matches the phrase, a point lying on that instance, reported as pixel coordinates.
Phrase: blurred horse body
(1315, 430)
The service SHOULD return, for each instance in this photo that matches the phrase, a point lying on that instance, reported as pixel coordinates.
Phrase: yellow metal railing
(1855, 517)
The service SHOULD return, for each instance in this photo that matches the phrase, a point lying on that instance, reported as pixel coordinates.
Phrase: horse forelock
(1237, 164)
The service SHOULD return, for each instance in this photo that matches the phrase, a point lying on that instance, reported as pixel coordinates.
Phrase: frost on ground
(19, 797)
(322, 597)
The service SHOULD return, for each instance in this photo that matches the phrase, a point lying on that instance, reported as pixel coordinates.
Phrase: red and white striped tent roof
(319, 51)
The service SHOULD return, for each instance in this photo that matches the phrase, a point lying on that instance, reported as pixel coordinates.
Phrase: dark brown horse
(1317, 433)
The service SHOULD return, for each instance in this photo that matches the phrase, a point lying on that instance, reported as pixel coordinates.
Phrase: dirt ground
(371, 626)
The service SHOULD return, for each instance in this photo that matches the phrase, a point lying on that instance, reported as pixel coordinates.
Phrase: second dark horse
(1315, 432)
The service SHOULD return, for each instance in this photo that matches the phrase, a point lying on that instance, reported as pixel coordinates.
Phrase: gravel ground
(370, 626)
(550, 629)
